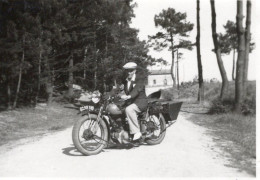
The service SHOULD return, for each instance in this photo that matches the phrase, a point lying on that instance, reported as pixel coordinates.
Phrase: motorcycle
(104, 122)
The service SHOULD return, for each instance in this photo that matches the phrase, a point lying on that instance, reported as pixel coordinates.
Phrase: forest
(49, 45)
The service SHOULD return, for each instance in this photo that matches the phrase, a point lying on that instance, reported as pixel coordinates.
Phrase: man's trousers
(131, 114)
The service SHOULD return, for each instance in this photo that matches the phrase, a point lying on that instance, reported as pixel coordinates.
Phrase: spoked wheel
(88, 136)
(159, 132)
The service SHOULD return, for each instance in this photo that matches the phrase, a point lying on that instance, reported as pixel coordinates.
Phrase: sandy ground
(187, 151)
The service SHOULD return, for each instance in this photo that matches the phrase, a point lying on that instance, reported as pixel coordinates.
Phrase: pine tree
(176, 29)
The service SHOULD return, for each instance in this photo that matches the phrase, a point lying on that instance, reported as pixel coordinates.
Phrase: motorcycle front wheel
(89, 136)
(159, 121)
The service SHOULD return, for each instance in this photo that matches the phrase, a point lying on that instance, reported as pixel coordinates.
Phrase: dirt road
(187, 151)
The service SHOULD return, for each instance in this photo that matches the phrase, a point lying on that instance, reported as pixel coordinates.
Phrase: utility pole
(178, 80)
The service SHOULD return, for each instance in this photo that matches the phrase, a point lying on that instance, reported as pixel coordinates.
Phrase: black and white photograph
(127, 89)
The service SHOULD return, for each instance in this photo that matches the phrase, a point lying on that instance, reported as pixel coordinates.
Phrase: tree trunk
(95, 68)
(247, 38)
(70, 80)
(172, 66)
(178, 82)
(200, 70)
(239, 93)
(234, 65)
(95, 77)
(175, 72)
(9, 105)
(104, 67)
(85, 62)
(39, 69)
(222, 70)
(48, 82)
(20, 76)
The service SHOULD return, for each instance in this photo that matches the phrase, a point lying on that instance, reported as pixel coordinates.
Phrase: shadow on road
(71, 151)
(120, 146)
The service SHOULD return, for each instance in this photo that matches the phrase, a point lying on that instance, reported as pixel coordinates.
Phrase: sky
(225, 10)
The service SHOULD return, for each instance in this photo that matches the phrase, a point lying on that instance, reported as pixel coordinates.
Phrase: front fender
(86, 112)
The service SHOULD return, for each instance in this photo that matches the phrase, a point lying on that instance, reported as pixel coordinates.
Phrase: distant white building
(158, 79)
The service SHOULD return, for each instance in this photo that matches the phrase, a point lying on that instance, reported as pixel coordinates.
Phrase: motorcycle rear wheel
(81, 135)
(159, 139)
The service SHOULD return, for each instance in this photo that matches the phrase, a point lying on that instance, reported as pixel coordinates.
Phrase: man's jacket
(137, 92)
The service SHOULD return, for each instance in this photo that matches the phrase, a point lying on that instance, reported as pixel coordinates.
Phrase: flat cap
(130, 65)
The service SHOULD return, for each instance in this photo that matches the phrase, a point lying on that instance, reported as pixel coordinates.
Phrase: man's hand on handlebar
(125, 97)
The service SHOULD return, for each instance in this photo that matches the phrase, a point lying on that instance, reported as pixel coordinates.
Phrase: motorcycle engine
(122, 136)
(119, 130)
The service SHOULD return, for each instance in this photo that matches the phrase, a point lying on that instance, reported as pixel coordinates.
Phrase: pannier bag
(169, 109)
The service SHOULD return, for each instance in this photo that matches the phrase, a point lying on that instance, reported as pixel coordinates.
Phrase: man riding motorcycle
(135, 97)
(104, 123)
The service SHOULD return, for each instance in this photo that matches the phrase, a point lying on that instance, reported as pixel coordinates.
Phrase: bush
(188, 90)
(169, 94)
(249, 104)
(211, 91)
(248, 107)
(219, 107)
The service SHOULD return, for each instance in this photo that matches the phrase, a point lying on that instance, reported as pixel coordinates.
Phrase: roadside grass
(211, 91)
(239, 131)
(234, 133)
(188, 93)
(28, 122)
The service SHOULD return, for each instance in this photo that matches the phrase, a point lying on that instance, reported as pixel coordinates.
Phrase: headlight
(95, 99)
(96, 96)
